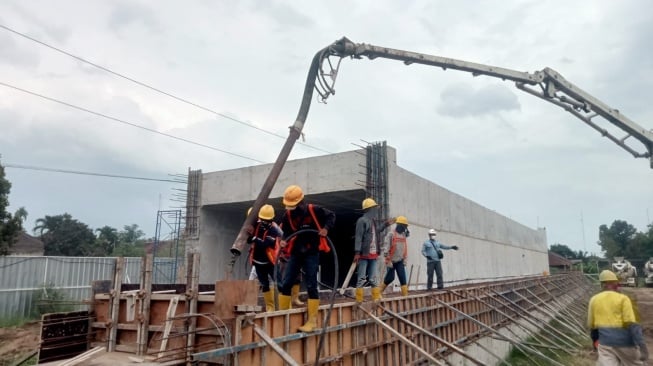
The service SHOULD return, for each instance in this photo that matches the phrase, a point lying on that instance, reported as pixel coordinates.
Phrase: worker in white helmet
(613, 322)
(432, 250)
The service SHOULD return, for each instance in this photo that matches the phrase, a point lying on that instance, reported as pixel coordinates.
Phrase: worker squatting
(296, 240)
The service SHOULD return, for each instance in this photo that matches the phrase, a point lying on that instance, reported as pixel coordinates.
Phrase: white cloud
(476, 136)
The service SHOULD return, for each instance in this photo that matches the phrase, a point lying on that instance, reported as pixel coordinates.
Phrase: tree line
(65, 236)
(620, 239)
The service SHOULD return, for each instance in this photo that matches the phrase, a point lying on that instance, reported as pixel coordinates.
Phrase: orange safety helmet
(293, 195)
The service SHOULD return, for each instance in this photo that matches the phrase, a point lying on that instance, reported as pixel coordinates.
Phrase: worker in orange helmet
(614, 322)
(304, 249)
(263, 252)
(395, 251)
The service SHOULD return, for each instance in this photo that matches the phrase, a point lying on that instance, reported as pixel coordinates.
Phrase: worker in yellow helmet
(367, 248)
(264, 239)
(614, 323)
(304, 249)
(395, 251)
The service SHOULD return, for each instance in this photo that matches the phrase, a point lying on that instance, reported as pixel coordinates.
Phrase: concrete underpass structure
(492, 246)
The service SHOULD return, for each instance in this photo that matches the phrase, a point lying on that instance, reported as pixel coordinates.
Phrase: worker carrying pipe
(614, 323)
(304, 249)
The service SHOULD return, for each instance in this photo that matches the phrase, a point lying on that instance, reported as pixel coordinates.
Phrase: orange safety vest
(270, 252)
(393, 245)
(323, 246)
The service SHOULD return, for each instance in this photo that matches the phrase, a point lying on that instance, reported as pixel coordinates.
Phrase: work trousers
(367, 272)
(264, 271)
(434, 266)
(281, 269)
(309, 261)
(618, 356)
(398, 267)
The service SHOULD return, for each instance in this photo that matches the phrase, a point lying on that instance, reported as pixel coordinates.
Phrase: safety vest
(393, 245)
(323, 245)
(270, 252)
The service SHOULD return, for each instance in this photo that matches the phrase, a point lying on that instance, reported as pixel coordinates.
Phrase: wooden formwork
(352, 337)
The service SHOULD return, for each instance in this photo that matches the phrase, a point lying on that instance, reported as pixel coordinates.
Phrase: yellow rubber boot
(295, 296)
(269, 300)
(404, 290)
(311, 322)
(359, 295)
(376, 293)
(284, 302)
(383, 286)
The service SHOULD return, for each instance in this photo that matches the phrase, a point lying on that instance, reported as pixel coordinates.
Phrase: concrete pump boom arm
(552, 87)
(547, 84)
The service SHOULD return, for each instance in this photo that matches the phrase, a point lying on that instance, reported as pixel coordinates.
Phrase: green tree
(562, 250)
(63, 235)
(130, 242)
(618, 240)
(107, 240)
(10, 225)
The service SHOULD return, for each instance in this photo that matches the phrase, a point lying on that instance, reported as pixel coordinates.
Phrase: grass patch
(14, 321)
(581, 356)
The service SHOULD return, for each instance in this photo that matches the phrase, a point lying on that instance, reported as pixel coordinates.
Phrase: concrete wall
(491, 245)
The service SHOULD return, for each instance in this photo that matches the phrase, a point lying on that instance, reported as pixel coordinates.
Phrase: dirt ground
(644, 298)
(16, 342)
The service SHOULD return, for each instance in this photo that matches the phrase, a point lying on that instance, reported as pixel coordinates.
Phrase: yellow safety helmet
(607, 276)
(401, 220)
(293, 195)
(266, 212)
(369, 203)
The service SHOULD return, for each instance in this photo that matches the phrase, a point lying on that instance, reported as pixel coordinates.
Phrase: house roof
(556, 260)
(27, 244)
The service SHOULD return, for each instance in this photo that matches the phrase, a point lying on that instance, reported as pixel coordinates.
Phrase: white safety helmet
(432, 232)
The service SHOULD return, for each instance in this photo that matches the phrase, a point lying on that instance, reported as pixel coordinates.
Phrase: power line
(126, 122)
(206, 109)
(31, 167)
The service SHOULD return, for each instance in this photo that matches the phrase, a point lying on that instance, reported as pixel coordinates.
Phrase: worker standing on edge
(395, 250)
(304, 249)
(432, 250)
(614, 322)
(367, 249)
(263, 252)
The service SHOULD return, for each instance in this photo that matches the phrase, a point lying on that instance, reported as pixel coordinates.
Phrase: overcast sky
(479, 137)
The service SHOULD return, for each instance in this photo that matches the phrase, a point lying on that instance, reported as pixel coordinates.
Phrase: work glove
(455, 247)
(323, 232)
(643, 353)
(594, 334)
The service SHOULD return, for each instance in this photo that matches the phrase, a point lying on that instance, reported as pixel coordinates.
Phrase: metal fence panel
(26, 279)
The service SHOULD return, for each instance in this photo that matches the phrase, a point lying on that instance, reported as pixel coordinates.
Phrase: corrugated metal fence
(26, 281)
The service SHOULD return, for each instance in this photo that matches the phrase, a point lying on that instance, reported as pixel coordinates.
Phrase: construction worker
(264, 250)
(367, 249)
(432, 250)
(395, 251)
(613, 321)
(304, 249)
